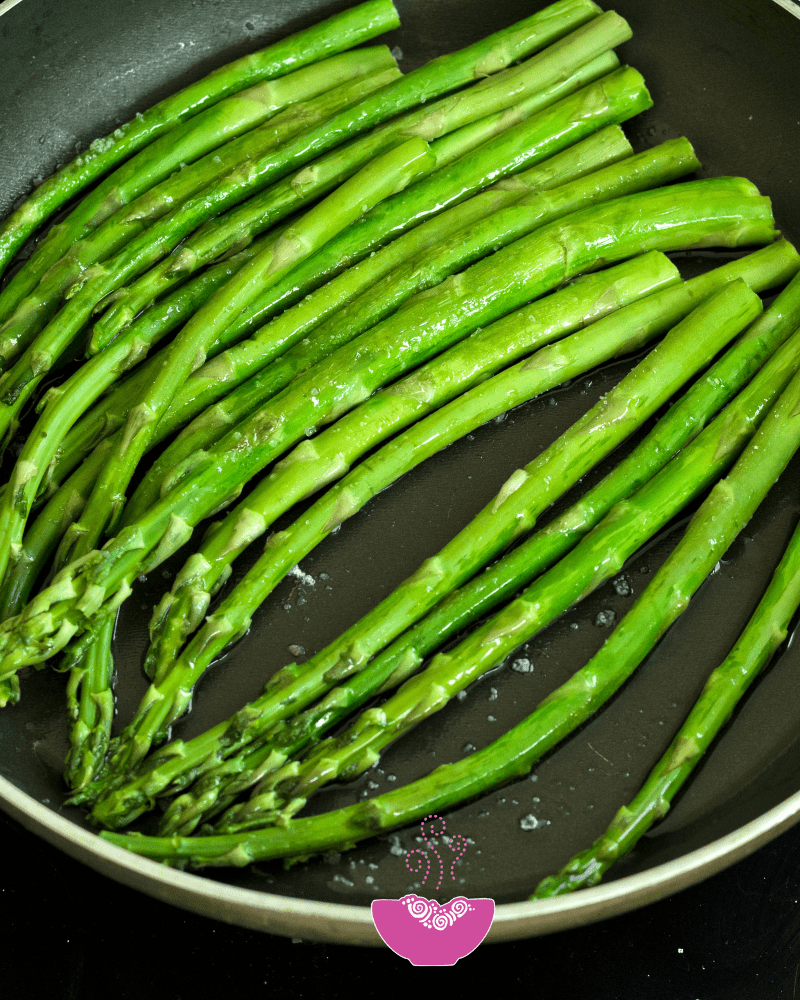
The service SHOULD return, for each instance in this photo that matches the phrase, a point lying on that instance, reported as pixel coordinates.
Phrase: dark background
(69, 933)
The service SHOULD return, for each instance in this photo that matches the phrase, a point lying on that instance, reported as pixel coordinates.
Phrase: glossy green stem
(364, 428)
(200, 391)
(388, 173)
(466, 176)
(422, 271)
(726, 686)
(711, 531)
(42, 538)
(513, 95)
(349, 82)
(90, 709)
(351, 27)
(440, 76)
(688, 347)
(720, 211)
(603, 147)
(681, 424)
(69, 440)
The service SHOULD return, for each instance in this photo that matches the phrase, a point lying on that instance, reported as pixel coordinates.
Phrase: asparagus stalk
(103, 279)
(9, 691)
(685, 419)
(650, 169)
(90, 707)
(605, 146)
(730, 505)
(442, 75)
(688, 348)
(42, 539)
(396, 663)
(389, 172)
(249, 284)
(529, 144)
(443, 378)
(765, 632)
(43, 347)
(332, 452)
(313, 465)
(714, 212)
(59, 407)
(541, 81)
(546, 78)
(349, 83)
(335, 34)
(211, 381)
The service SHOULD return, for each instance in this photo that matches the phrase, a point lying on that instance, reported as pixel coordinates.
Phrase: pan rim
(344, 923)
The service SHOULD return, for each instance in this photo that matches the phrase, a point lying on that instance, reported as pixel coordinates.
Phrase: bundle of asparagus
(346, 246)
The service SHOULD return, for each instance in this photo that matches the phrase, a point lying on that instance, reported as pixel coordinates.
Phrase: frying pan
(724, 73)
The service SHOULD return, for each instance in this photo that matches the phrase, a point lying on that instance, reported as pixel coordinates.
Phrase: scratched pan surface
(722, 73)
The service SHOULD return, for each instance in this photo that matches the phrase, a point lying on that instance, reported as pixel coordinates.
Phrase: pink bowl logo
(425, 931)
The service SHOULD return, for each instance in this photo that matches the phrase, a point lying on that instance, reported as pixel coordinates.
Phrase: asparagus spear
(154, 325)
(658, 166)
(717, 211)
(389, 172)
(223, 782)
(655, 166)
(212, 380)
(731, 503)
(41, 540)
(609, 422)
(90, 706)
(103, 279)
(466, 174)
(376, 419)
(43, 347)
(335, 34)
(373, 232)
(606, 146)
(375, 68)
(91, 678)
(553, 74)
(678, 427)
(723, 690)
(334, 450)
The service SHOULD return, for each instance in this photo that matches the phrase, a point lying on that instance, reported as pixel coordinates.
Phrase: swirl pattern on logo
(432, 914)
(419, 908)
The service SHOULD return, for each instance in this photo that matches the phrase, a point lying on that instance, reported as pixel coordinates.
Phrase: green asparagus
(389, 173)
(441, 75)
(251, 281)
(655, 167)
(509, 97)
(731, 503)
(677, 428)
(212, 380)
(725, 687)
(605, 146)
(350, 82)
(718, 211)
(335, 34)
(685, 350)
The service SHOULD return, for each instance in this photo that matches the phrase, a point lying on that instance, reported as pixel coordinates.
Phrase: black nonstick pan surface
(722, 72)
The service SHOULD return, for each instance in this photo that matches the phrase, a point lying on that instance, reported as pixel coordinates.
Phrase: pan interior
(721, 73)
